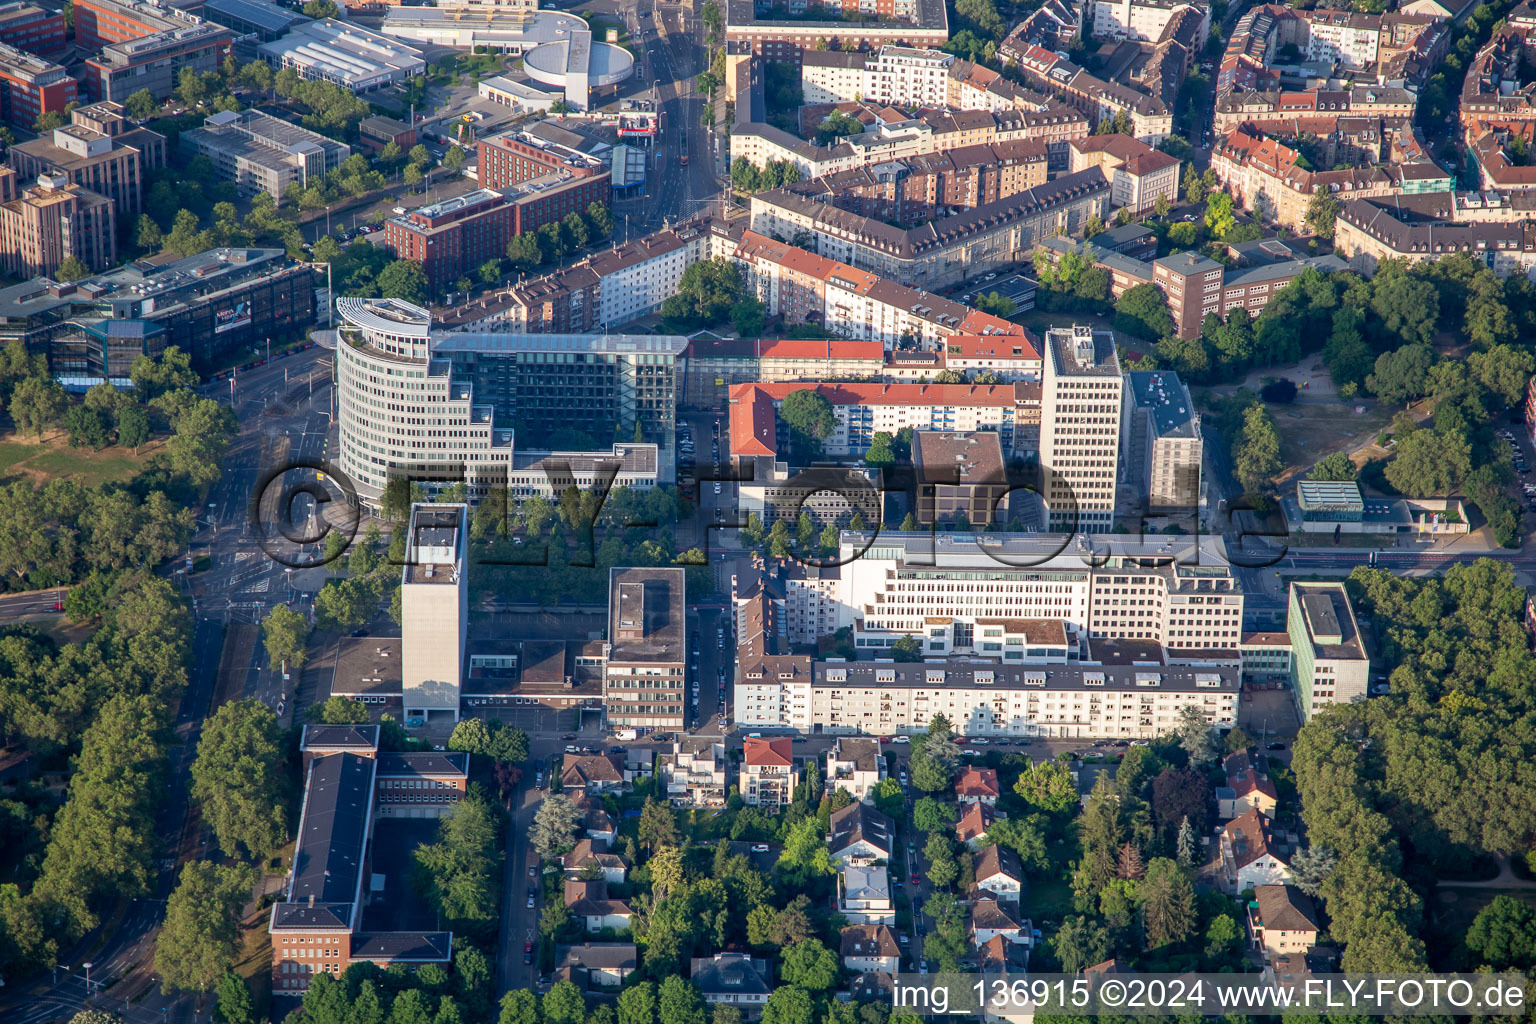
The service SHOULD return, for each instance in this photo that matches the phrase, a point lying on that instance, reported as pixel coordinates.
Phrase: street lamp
(87, 966)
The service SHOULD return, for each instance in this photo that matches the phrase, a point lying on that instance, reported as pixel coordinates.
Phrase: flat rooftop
(367, 666)
(647, 615)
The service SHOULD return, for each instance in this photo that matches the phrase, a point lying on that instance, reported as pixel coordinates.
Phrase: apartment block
(263, 153)
(963, 596)
(1080, 398)
(434, 603)
(1138, 174)
(1366, 233)
(31, 87)
(1139, 20)
(768, 773)
(452, 238)
(961, 478)
(1163, 444)
(52, 221)
(1197, 286)
(694, 773)
(896, 75)
(31, 28)
(1329, 663)
(908, 23)
(644, 683)
(801, 600)
(1150, 115)
(985, 699)
(155, 61)
(854, 765)
(100, 151)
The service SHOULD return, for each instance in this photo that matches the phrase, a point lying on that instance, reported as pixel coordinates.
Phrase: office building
(452, 238)
(644, 684)
(155, 62)
(100, 151)
(919, 585)
(961, 479)
(52, 221)
(434, 605)
(1080, 393)
(100, 23)
(343, 54)
(31, 87)
(1329, 663)
(253, 22)
(30, 28)
(1197, 286)
(1163, 444)
(322, 923)
(485, 389)
(986, 699)
(262, 153)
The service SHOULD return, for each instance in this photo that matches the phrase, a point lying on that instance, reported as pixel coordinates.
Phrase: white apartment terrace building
(1141, 20)
(949, 590)
(988, 699)
(897, 75)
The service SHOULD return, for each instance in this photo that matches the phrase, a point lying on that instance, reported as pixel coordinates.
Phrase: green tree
(1167, 904)
(141, 105)
(133, 427)
(404, 279)
(201, 933)
(637, 1004)
(1080, 942)
(808, 965)
(232, 1000)
(789, 1004)
(1143, 311)
(1333, 466)
(907, 648)
(563, 1004)
(71, 269)
(810, 419)
(37, 403)
(1218, 214)
(679, 1002)
(1322, 211)
(1047, 786)
(939, 851)
(460, 873)
(1503, 934)
(1403, 375)
(201, 437)
(1256, 453)
(1195, 735)
(239, 778)
(1429, 463)
(554, 826)
(286, 635)
(930, 815)
(338, 710)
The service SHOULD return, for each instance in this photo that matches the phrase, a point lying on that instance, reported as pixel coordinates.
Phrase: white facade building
(1080, 400)
(1141, 20)
(434, 603)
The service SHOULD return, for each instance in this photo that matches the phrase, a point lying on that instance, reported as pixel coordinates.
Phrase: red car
(528, 952)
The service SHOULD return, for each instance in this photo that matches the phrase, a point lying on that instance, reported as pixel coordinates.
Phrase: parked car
(1276, 746)
(532, 896)
(760, 848)
(528, 952)
(902, 739)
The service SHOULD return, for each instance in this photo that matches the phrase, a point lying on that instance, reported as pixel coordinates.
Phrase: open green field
(26, 458)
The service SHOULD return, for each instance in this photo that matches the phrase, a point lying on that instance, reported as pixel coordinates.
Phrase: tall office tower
(434, 603)
(1080, 428)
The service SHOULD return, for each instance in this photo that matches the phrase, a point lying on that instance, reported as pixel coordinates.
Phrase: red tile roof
(977, 782)
(776, 751)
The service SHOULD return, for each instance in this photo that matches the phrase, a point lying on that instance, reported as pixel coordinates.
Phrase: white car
(901, 739)
(760, 848)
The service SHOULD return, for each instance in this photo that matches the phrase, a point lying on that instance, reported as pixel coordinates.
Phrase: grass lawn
(1310, 430)
(1050, 899)
(26, 458)
(601, 25)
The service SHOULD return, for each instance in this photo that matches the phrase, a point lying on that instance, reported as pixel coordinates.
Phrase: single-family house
(595, 773)
(1248, 786)
(870, 947)
(860, 835)
(694, 773)
(595, 820)
(595, 852)
(855, 765)
(1282, 920)
(998, 870)
(972, 827)
(738, 979)
(589, 903)
(977, 786)
(1251, 855)
(990, 917)
(864, 895)
(599, 965)
(768, 773)
(873, 987)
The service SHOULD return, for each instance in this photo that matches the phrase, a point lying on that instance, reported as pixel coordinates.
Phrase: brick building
(101, 22)
(31, 87)
(29, 27)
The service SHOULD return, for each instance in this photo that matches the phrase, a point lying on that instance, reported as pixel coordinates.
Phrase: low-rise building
(854, 765)
(991, 919)
(1329, 663)
(1251, 854)
(860, 835)
(1282, 920)
(589, 903)
(977, 786)
(1266, 658)
(594, 773)
(259, 152)
(694, 773)
(1248, 787)
(736, 979)
(594, 853)
(1196, 285)
(768, 773)
(864, 895)
(599, 965)
(961, 478)
(999, 872)
(344, 54)
(870, 947)
(972, 827)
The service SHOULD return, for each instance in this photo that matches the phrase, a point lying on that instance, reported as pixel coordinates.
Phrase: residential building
(99, 151)
(492, 387)
(155, 61)
(961, 478)
(1282, 921)
(1164, 446)
(589, 903)
(870, 947)
(454, 237)
(595, 774)
(895, 75)
(694, 773)
(911, 23)
(864, 894)
(989, 699)
(936, 255)
(30, 28)
(1196, 285)
(903, 586)
(854, 765)
(51, 221)
(598, 966)
(1080, 408)
(863, 410)
(343, 54)
(1149, 114)
(736, 979)
(999, 872)
(1139, 19)
(319, 924)
(977, 786)
(644, 683)
(1138, 174)
(992, 919)
(859, 835)
(32, 86)
(1251, 855)
(768, 773)
(1248, 787)
(434, 605)
(1365, 233)
(594, 853)
(263, 153)
(974, 822)
(1329, 663)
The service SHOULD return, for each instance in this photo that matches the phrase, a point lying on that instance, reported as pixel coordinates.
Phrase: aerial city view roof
(766, 511)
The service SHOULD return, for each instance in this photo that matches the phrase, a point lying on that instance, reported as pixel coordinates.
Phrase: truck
(626, 734)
